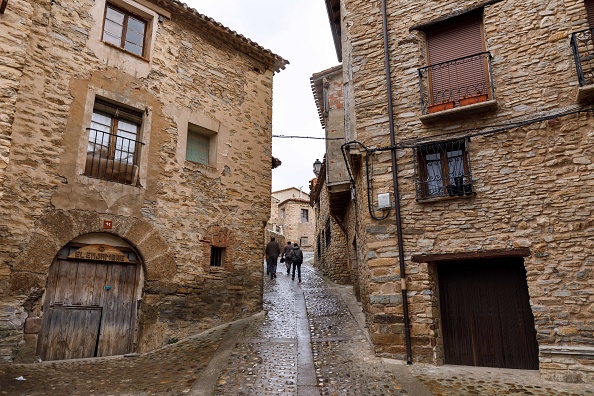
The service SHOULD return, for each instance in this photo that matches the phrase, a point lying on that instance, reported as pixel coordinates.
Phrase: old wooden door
(486, 316)
(89, 310)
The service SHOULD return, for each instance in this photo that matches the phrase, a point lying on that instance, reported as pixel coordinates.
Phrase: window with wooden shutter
(458, 66)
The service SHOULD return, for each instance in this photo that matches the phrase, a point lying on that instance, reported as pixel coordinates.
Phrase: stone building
(130, 134)
(294, 220)
(331, 189)
(469, 144)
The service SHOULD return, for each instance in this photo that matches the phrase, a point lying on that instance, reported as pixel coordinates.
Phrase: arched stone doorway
(92, 299)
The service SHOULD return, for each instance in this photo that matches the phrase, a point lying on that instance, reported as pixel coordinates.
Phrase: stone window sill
(457, 112)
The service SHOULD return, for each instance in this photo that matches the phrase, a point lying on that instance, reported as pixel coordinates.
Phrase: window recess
(442, 170)
(113, 149)
(459, 68)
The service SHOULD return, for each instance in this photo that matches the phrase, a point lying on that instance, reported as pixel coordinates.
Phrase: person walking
(297, 260)
(273, 250)
(287, 256)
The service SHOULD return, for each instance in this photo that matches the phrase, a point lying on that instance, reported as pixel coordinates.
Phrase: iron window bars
(112, 157)
(442, 169)
(456, 83)
(582, 46)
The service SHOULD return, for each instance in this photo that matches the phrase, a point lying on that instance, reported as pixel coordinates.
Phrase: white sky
(298, 31)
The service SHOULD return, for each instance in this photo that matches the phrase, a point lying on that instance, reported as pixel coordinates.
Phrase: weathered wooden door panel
(70, 333)
(116, 334)
(486, 316)
(76, 291)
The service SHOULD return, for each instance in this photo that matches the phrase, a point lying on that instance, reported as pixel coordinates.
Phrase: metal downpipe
(395, 183)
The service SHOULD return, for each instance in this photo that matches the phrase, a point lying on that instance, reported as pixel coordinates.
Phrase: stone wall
(331, 256)
(293, 227)
(56, 65)
(532, 184)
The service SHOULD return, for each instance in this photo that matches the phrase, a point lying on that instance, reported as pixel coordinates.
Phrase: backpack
(296, 258)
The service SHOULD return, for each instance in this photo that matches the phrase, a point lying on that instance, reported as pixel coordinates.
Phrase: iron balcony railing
(582, 46)
(113, 157)
(442, 169)
(456, 83)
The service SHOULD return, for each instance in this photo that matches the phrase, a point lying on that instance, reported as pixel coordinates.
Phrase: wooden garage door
(89, 310)
(486, 316)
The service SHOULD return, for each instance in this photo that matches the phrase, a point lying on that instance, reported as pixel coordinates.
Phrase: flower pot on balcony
(440, 107)
(473, 99)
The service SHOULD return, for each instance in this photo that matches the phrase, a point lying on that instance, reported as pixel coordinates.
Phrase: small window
(124, 30)
(304, 215)
(200, 145)
(304, 241)
(327, 233)
(443, 169)
(282, 213)
(113, 150)
(217, 256)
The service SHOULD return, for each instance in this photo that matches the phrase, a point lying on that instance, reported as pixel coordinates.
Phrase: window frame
(304, 215)
(127, 15)
(217, 256)
(117, 113)
(210, 136)
(446, 188)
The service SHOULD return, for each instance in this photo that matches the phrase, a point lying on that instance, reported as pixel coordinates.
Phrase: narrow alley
(310, 340)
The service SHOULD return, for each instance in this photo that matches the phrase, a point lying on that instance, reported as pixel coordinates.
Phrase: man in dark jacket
(287, 256)
(297, 259)
(272, 252)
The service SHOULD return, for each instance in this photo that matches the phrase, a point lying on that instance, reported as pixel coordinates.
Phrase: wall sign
(99, 253)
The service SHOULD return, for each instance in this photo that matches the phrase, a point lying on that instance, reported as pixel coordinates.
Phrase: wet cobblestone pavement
(310, 340)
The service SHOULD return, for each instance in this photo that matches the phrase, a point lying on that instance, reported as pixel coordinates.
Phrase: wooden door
(89, 310)
(486, 315)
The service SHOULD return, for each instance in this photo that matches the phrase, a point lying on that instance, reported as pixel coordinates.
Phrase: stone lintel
(484, 254)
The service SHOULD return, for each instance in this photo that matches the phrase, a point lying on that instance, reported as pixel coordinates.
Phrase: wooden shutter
(450, 40)
(590, 11)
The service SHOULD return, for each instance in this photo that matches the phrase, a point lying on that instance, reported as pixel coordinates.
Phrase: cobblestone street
(310, 340)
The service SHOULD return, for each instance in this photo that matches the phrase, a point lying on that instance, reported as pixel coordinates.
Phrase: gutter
(395, 183)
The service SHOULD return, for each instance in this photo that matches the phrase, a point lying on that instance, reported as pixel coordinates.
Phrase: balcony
(462, 85)
(113, 157)
(582, 46)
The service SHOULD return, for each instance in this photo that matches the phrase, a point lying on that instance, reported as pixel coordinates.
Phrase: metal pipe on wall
(395, 183)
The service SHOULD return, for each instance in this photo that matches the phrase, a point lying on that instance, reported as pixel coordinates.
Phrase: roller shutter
(450, 40)
(590, 11)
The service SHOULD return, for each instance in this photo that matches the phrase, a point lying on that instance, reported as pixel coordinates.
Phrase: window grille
(442, 169)
(113, 149)
(216, 256)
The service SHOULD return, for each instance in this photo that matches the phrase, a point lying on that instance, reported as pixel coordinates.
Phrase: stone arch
(55, 229)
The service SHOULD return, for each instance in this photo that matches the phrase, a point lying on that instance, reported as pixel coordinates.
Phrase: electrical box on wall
(383, 201)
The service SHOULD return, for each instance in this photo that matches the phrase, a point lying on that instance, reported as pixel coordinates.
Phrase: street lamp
(317, 167)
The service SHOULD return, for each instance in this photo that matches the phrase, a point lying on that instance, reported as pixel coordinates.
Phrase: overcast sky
(298, 31)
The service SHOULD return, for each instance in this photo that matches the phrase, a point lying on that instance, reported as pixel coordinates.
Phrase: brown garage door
(486, 316)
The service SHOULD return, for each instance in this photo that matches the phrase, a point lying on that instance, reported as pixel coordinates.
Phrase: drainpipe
(395, 182)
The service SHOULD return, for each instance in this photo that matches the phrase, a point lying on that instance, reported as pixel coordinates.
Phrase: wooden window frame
(127, 15)
(422, 176)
